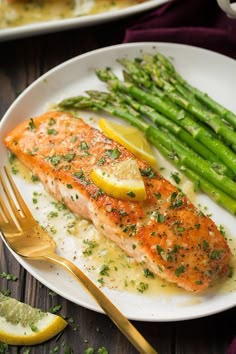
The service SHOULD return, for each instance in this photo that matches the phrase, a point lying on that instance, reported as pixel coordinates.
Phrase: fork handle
(125, 326)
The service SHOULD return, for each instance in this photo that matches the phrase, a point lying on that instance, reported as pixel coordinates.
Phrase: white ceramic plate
(214, 73)
(88, 20)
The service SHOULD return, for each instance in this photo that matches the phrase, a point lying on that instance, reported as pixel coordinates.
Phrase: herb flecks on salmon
(166, 233)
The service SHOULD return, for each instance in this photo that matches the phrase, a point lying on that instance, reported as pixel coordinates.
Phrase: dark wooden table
(21, 62)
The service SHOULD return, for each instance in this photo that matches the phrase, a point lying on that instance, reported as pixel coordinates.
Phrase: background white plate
(215, 74)
(88, 20)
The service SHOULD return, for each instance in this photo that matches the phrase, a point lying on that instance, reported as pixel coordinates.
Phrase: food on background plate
(20, 12)
(21, 324)
(165, 232)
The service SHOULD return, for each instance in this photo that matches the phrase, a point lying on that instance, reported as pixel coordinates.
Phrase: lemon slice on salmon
(121, 180)
(130, 137)
(21, 324)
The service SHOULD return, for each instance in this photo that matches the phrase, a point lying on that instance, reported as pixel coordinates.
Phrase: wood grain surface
(21, 62)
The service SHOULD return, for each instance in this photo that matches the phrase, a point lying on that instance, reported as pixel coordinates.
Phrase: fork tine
(5, 215)
(6, 219)
(25, 213)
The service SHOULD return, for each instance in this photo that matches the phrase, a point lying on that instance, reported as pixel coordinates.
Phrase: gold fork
(25, 236)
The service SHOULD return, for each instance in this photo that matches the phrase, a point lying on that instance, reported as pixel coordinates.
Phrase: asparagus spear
(216, 194)
(186, 156)
(175, 114)
(206, 117)
(160, 120)
(201, 96)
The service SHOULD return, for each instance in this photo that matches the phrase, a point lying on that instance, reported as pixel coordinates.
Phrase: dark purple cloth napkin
(199, 23)
(232, 347)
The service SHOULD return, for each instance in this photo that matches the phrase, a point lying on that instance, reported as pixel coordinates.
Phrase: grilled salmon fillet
(166, 233)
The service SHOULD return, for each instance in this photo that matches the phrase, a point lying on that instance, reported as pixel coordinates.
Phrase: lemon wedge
(121, 180)
(129, 137)
(21, 324)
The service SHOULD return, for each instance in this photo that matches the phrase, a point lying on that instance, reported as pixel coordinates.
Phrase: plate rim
(59, 67)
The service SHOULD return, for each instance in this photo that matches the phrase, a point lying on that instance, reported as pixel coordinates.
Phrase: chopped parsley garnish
(142, 287)
(215, 255)
(205, 245)
(55, 308)
(157, 216)
(34, 178)
(179, 270)
(25, 351)
(104, 270)
(11, 157)
(59, 206)
(148, 273)
(122, 213)
(91, 245)
(231, 272)
(159, 249)
(180, 229)
(222, 230)
(113, 154)
(173, 196)
(54, 160)
(31, 125)
(74, 139)
(101, 161)
(14, 170)
(68, 350)
(130, 229)
(97, 194)
(51, 121)
(101, 281)
(54, 350)
(84, 145)
(89, 351)
(69, 157)
(52, 214)
(149, 172)
(51, 131)
(175, 177)
(5, 293)
(175, 200)
(8, 276)
(131, 194)
(34, 328)
(103, 350)
(4, 348)
(79, 174)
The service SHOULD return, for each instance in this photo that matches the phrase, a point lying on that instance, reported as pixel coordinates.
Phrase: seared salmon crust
(165, 233)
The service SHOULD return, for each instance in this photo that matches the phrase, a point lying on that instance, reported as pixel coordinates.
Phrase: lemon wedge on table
(21, 324)
(130, 137)
(121, 180)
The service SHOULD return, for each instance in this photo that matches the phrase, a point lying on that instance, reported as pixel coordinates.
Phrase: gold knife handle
(124, 325)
